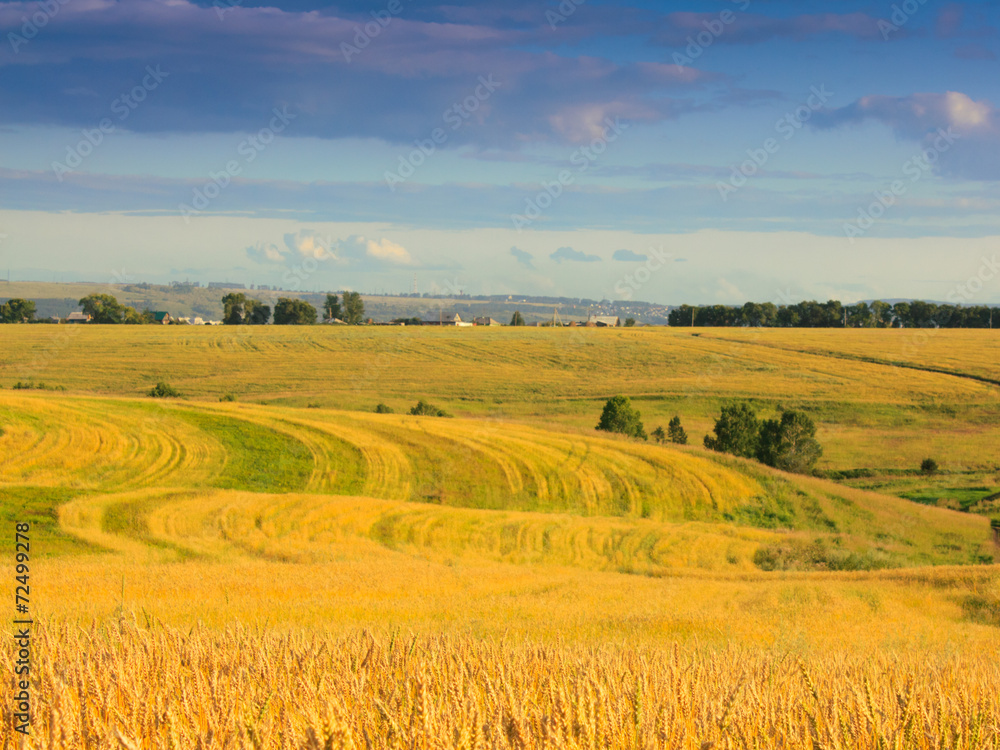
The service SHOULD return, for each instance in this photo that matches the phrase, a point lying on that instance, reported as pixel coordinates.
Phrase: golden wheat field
(288, 569)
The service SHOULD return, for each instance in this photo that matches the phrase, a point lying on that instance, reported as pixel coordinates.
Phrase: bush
(929, 466)
(619, 416)
(227, 397)
(424, 409)
(164, 390)
(384, 409)
(799, 555)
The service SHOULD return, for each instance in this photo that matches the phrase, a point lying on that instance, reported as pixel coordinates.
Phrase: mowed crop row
(113, 445)
(108, 448)
(247, 688)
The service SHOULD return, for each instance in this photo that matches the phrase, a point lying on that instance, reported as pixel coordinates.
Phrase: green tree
(234, 310)
(736, 431)
(424, 409)
(133, 317)
(354, 308)
(929, 466)
(332, 307)
(257, 313)
(629, 322)
(295, 312)
(789, 443)
(103, 308)
(17, 310)
(517, 319)
(675, 432)
(881, 313)
(620, 416)
(164, 390)
(383, 409)
(659, 435)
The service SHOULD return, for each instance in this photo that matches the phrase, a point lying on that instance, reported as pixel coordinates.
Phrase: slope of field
(268, 575)
(871, 415)
(425, 464)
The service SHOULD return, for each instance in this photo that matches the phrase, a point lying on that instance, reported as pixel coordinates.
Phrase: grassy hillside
(876, 416)
(543, 481)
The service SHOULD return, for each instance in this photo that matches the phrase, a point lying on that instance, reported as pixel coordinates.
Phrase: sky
(711, 151)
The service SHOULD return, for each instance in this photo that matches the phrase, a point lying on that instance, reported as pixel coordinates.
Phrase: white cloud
(309, 245)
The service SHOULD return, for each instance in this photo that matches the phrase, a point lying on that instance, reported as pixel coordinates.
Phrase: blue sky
(712, 151)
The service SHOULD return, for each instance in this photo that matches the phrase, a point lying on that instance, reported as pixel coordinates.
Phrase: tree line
(238, 309)
(834, 314)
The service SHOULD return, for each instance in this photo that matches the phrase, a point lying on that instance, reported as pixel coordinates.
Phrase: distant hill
(187, 300)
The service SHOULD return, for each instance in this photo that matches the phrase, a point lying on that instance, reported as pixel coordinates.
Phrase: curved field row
(435, 466)
(495, 465)
(218, 525)
(95, 444)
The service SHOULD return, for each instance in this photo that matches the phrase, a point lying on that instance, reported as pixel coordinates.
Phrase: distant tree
(103, 308)
(133, 317)
(629, 322)
(332, 307)
(17, 310)
(659, 435)
(929, 466)
(294, 312)
(234, 309)
(354, 308)
(257, 313)
(736, 431)
(164, 390)
(789, 443)
(424, 409)
(881, 313)
(517, 319)
(384, 409)
(676, 432)
(620, 416)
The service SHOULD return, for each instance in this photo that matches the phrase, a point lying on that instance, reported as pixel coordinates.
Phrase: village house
(444, 319)
(486, 322)
(77, 317)
(604, 321)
